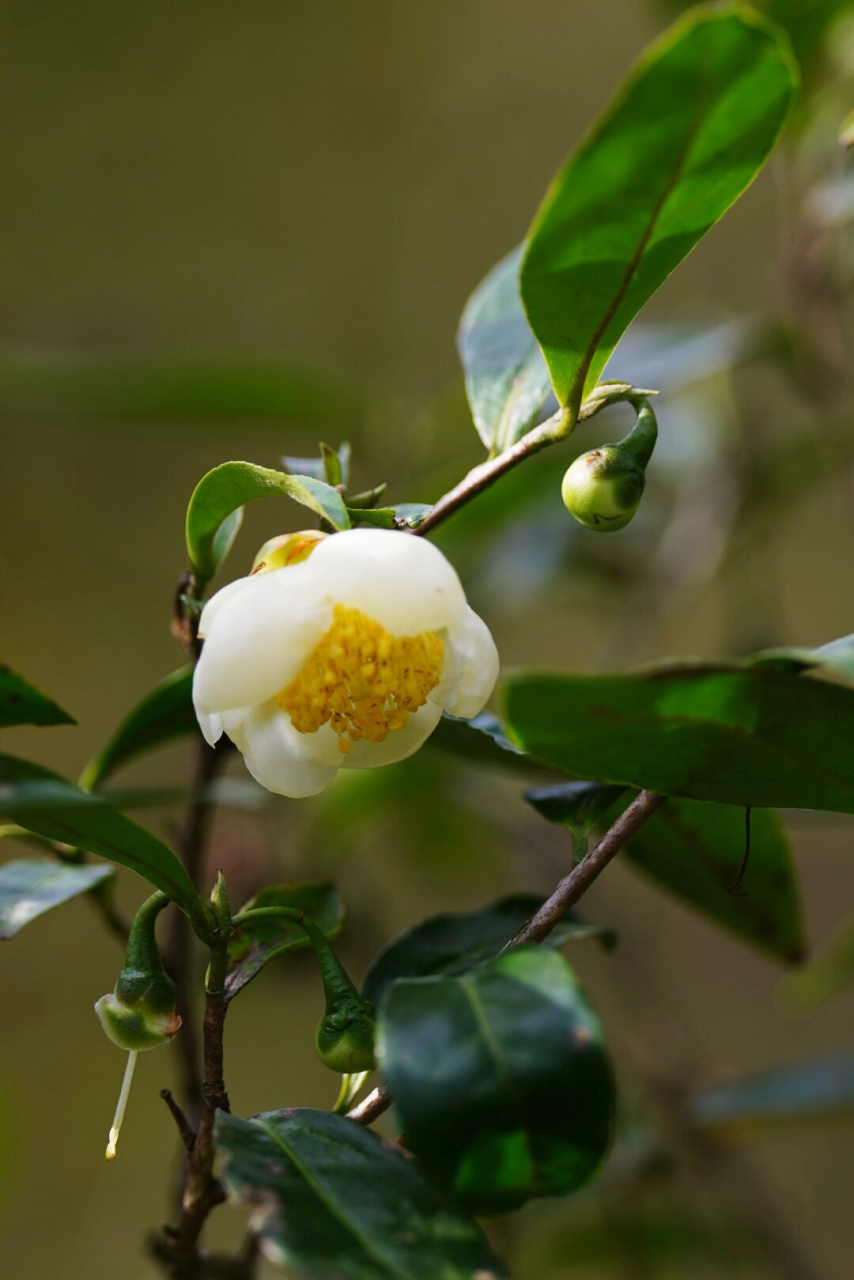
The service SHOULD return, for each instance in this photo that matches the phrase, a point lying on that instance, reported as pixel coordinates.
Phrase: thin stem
(367, 1111)
(185, 1129)
(579, 880)
(579, 847)
(124, 1094)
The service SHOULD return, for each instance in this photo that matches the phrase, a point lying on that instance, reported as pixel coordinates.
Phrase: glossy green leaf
(580, 806)
(684, 137)
(825, 975)
(406, 515)
(337, 1203)
(29, 887)
(22, 703)
(695, 850)
(729, 733)
(483, 740)
(452, 943)
(500, 1079)
(50, 806)
(332, 465)
(75, 384)
(507, 380)
(222, 491)
(811, 1089)
(255, 943)
(164, 715)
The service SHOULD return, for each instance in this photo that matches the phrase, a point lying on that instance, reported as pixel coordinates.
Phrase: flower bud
(603, 488)
(288, 548)
(135, 1027)
(345, 1038)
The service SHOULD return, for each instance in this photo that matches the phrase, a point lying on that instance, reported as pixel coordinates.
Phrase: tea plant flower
(345, 658)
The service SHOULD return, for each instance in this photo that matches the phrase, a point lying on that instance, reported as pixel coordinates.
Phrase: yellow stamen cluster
(362, 680)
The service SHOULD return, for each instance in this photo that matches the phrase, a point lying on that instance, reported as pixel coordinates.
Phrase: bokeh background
(230, 231)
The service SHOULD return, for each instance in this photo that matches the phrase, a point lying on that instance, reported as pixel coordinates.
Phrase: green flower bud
(603, 488)
(345, 1038)
(135, 1027)
(288, 548)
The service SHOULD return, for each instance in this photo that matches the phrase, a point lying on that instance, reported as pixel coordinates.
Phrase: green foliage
(483, 740)
(29, 887)
(163, 716)
(580, 806)
(334, 1200)
(258, 941)
(500, 1078)
(730, 733)
(50, 806)
(825, 975)
(454, 942)
(223, 491)
(683, 138)
(22, 703)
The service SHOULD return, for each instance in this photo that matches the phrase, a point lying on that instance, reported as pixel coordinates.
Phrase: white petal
(283, 760)
(216, 602)
(259, 638)
(211, 727)
(471, 667)
(399, 744)
(403, 582)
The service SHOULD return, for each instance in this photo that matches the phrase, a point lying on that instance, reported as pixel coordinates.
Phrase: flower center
(362, 680)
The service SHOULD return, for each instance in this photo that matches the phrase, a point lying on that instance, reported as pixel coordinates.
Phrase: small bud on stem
(603, 488)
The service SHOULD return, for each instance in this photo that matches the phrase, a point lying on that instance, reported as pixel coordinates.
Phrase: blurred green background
(298, 198)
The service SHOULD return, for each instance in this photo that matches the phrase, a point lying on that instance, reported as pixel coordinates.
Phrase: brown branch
(185, 1129)
(367, 1111)
(579, 880)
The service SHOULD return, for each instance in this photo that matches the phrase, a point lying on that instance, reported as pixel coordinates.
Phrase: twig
(367, 1111)
(185, 1129)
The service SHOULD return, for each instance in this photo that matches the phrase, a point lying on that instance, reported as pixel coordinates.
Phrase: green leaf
(728, 733)
(164, 715)
(406, 515)
(684, 137)
(255, 943)
(695, 850)
(500, 1079)
(836, 657)
(136, 388)
(337, 1202)
(452, 943)
(815, 1088)
(483, 740)
(580, 806)
(507, 380)
(50, 806)
(22, 703)
(30, 887)
(333, 465)
(222, 491)
(825, 975)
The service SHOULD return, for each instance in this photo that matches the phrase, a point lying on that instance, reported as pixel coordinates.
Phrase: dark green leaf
(825, 975)
(728, 733)
(164, 715)
(30, 887)
(73, 384)
(337, 1203)
(696, 850)
(500, 1078)
(483, 740)
(254, 943)
(684, 137)
(366, 500)
(806, 1090)
(222, 491)
(507, 381)
(22, 703)
(50, 806)
(452, 943)
(581, 806)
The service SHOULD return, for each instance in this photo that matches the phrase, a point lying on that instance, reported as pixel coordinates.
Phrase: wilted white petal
(402, 582)
(283, 760)
(260, 638)
(471, 667)
(398, 745)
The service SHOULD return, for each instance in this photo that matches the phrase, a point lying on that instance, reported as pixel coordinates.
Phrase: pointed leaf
(22, 703)
(50, 806)
(483, 740)
(254, 943)
(683, 138)
(500, 1078)
(229, 486)
(30, 887)
(729, 733)
(507, 381)
(164, 715)
(337, 1203)
(452, 943)
(580, 806)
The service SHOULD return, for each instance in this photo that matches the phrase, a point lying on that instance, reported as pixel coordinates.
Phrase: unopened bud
(288, 548)
(602, 489)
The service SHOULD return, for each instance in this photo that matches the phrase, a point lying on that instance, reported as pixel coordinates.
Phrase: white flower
(346, 658)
